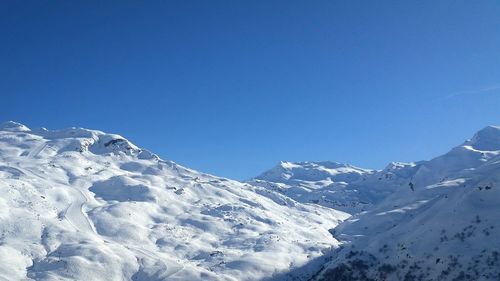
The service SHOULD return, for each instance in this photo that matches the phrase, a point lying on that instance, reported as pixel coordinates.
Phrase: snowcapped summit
(13, 126)
(325, 183)
(79, 204)
(352, 189)
(76, 139)
(440, 222)
(312, 171)
(487, 139)
(482, 149)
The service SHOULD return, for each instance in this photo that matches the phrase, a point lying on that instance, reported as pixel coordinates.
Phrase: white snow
(334, 185)
(80, 204)
(442, 225)
(429, 220)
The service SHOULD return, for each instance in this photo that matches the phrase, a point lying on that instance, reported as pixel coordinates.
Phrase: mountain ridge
(78, 202)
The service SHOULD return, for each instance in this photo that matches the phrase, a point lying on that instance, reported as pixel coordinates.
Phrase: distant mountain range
(81, 204)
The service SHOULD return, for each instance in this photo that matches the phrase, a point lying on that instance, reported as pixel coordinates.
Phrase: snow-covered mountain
(429, 220)
(78, 204)
(443, 225)
(334, 185)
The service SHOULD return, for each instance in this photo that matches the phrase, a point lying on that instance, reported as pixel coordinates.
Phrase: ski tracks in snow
(74, 214)
(34, 153)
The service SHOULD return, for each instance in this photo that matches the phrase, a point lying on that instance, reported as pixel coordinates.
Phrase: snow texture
(80, 204)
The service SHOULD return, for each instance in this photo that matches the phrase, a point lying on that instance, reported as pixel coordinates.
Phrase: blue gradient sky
(232, 87)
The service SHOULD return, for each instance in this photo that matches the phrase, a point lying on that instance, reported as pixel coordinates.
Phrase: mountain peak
(13, 126)
(108, 210)
(310, 171)
(81, 139)
(487, 139)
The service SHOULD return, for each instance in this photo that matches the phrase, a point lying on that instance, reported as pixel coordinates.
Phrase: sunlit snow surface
(429, 220)
(443, 224)
(78, 204)
(334, 185)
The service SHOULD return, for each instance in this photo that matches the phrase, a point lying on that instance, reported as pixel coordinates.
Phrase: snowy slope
(442, 225)
(79, 204)
(334, 185)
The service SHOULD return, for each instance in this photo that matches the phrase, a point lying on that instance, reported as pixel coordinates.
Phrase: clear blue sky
(232, 87)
